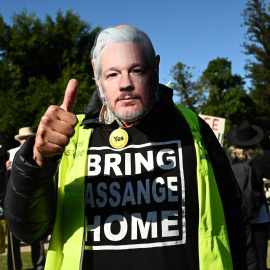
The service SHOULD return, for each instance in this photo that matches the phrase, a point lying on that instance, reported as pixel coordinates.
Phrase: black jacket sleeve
(30, 202)
(241, 243)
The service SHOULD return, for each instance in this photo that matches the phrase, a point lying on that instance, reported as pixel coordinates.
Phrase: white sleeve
(12, 153)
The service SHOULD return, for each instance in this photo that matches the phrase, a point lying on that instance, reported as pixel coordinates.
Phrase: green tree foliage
(218, 78)
(226, 95)
(37, 59)
(257, 46)
(189, 91)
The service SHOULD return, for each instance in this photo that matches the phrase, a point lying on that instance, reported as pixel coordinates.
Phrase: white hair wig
(124, 34)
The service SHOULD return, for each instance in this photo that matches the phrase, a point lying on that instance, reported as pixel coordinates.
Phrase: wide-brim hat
(24, 132)
(245, 134)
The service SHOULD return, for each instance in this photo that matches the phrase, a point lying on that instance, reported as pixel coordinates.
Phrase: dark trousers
(260, 232)
(37, 254)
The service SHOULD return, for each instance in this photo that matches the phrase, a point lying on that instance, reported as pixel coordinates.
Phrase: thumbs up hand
(56, 127)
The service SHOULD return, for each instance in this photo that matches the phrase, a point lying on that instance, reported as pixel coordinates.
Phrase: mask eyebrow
(132, 66)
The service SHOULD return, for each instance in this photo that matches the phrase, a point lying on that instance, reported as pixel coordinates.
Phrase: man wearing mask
(138, 186)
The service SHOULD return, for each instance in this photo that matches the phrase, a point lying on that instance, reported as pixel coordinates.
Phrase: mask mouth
(128, 95)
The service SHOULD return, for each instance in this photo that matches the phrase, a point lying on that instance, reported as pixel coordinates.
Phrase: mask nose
(126, 83)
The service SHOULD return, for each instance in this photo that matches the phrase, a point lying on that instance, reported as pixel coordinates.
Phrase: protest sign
(217, 124)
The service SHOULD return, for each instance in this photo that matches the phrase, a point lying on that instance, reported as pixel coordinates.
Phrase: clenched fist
(56, 127)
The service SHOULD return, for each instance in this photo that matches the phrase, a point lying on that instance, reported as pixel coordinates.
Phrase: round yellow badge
(118, 138)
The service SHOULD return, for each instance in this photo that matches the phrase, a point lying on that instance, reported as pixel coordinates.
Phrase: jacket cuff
(24, 159)
(27, 176)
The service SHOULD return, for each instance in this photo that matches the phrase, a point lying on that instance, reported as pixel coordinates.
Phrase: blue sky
(191, 31)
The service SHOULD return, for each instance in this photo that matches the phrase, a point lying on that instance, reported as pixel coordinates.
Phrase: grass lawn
(27, 262)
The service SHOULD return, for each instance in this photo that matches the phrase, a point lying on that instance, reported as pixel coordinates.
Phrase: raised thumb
(70, 95)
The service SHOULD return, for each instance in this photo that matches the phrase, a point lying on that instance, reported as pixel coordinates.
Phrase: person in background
(138, 187)
(14, 244)
(245, 146)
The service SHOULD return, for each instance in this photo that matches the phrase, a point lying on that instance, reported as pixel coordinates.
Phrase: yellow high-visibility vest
(66, 245)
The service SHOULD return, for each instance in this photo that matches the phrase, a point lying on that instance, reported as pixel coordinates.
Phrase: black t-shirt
(141, 205)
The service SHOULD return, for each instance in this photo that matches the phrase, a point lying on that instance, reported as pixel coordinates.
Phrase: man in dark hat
(245, 148)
